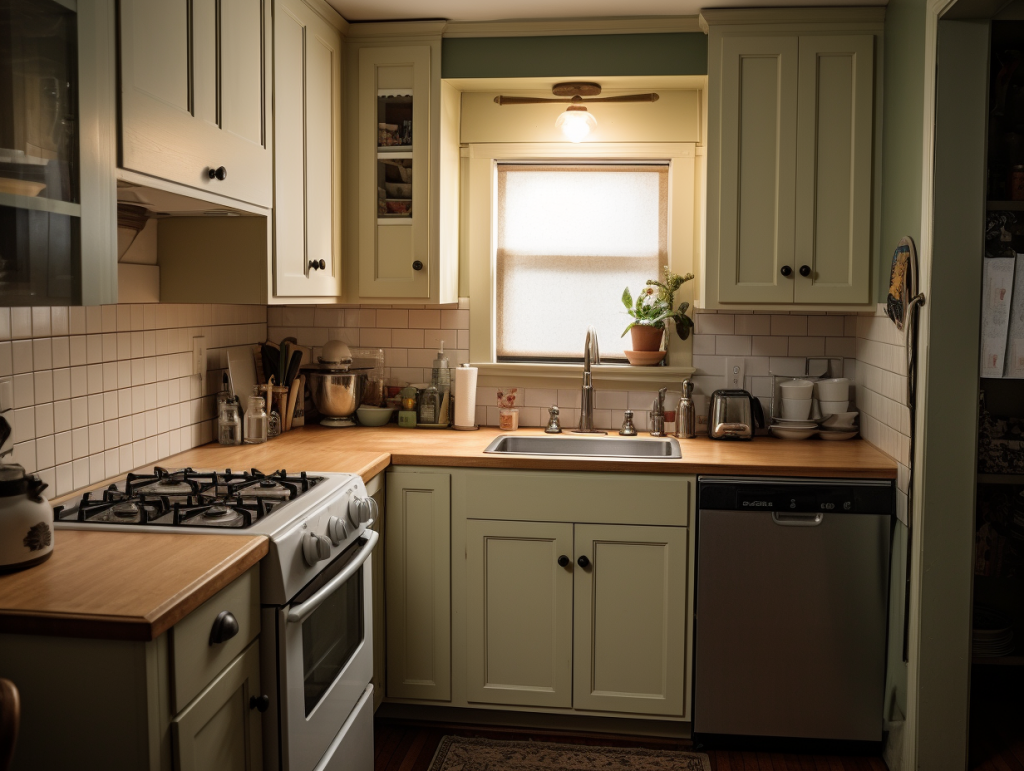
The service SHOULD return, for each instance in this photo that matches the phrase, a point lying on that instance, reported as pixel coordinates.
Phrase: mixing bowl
(336, 395)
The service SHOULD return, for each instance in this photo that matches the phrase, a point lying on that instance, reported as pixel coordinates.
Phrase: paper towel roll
(465, 398)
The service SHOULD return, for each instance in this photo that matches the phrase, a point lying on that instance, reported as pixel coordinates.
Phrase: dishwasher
(792, 587)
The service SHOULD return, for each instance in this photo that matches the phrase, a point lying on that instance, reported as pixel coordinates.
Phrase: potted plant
(652, 308)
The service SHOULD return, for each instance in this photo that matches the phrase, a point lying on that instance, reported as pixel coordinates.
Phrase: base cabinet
(222, 729)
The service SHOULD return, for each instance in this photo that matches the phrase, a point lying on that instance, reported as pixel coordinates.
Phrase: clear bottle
(440, 376)
(430, 405)
(229, 425)
(256, 421)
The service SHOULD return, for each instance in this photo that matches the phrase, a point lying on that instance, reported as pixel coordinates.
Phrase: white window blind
(570, 239)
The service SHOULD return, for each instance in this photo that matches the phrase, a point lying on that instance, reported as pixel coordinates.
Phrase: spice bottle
(256, 421)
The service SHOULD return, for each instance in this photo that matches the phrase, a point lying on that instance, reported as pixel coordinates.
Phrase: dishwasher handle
(808, 519)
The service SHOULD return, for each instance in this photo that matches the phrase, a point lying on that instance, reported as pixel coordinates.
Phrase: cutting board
(241, 372)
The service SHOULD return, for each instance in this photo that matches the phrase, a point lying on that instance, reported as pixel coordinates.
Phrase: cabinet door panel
(220, 731)
(241, 56)
(418, 581)
(158, 31)
(519, 614)
(630, 619)
(307, 164)
(834, 149)
(758, 160)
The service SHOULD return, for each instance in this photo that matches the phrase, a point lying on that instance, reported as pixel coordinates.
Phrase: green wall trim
(677, 53)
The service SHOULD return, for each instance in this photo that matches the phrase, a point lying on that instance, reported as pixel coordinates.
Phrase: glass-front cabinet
(41, 179)
(394, 154)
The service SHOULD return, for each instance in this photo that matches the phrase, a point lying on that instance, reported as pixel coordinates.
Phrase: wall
(679, 53)
(102, 390)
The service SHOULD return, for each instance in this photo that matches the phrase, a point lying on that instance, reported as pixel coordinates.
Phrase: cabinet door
(220, 731)
(394, 258)
(194, 93)
(758, 169)
(630, 619)
(418, 584)
(833, 187)
(307, 152)
(519, 613)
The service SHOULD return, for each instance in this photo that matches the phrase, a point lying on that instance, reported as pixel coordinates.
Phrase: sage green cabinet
(417, 584)
(791, 155)
(195, 94)
(221, 730)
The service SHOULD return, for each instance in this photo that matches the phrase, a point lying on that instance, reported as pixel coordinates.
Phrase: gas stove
(189, 498)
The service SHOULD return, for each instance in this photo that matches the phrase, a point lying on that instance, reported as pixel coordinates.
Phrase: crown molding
(634, 25)
(328, 14)
(376, 29)
(714, 17)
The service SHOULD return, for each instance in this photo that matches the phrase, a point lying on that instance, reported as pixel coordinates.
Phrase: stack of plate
(991, 636)
(793, 429)
(835, 433)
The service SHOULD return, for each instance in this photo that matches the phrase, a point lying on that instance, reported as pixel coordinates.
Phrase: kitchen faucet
(591, 355)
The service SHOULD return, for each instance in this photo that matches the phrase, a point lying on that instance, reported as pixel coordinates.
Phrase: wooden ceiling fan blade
(626, 98)
(527, 100)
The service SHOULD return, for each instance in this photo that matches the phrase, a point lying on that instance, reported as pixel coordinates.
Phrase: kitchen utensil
(257, 360)
(837, 435)
(797, 389)
(335, 355)
(833, 408)
(796, 409)
(241, 372)
(374, 416)
(840, 420)
(293, 394)
(285, 359)
(336, 395)
(834, 389)
(270, 356)
(26, 537)
(293, 368)
(732, 415)
(299, 418)
(793, 433)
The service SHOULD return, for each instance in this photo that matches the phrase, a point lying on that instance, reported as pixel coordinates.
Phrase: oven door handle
(300, 612)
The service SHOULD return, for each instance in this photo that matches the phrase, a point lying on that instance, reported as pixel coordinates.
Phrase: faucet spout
(591, 355)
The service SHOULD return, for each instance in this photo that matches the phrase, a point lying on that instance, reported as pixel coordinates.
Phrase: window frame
(479, 209)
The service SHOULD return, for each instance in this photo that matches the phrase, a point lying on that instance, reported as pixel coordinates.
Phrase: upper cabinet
(404, 142)
(792, 116)
(196, 94)
(307, 152)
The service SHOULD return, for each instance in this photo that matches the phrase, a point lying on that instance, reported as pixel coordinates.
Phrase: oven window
(330, 636)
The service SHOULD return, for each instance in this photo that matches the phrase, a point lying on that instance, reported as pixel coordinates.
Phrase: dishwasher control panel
(802, 496)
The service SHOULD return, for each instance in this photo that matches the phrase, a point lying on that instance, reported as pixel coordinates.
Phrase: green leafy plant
(653, 305)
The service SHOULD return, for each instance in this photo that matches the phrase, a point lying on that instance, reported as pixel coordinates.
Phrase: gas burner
(219, 513)
(163, 482)
(125, 510)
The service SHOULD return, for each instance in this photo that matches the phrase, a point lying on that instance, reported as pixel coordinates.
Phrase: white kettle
(26, 518)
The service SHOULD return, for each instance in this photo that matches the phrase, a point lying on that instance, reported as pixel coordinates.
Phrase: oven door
(325, 644)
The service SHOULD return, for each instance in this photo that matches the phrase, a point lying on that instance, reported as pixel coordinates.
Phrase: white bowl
(840, 420)
(793, 433)
(796, 389)
(796, 409)
(833, 390)
(373, 416)
(837, 436)
(833, 408)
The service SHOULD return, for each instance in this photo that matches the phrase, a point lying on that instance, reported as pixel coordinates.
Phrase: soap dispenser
(686, 413)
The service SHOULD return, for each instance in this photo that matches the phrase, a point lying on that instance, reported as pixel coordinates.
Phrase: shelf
(394, 220)
(1004, 205)
(1000, 661)
(400, 151)
(1001, 479)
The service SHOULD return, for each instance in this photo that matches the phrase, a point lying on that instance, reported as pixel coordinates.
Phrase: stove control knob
(315, 548)
(337, 530)
(361, 510)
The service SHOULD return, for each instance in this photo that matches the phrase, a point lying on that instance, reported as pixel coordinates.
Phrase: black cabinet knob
(417, 265)
(323, 265)
(225, 626)
(583, 562)
(805, 270)
(786, 271)
(259, 703)
(563, 561)
(218, 173)
(314, 265)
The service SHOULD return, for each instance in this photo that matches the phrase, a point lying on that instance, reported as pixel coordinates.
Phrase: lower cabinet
(221, 729)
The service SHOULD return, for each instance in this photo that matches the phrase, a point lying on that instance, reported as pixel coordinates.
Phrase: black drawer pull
(259, 703)
(225, 626)
(218, 173)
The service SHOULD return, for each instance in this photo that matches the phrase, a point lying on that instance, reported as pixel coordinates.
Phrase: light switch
(735, 368)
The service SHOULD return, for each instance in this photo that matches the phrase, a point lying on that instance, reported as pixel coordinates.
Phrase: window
(570, 238)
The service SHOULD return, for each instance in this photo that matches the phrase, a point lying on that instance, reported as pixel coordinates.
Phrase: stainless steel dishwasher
(791, 607)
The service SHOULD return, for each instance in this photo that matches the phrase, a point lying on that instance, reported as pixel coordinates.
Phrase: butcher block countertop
(122, 586)
(368, 451)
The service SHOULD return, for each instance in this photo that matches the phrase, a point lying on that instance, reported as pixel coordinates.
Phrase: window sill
(623, 377)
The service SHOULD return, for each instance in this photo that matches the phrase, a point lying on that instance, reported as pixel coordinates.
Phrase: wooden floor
(402, 746)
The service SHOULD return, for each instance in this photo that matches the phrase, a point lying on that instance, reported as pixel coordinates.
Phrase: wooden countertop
(122, 586)
(368, 451)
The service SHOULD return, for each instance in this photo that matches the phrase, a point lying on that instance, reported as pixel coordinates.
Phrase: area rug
(456, 753)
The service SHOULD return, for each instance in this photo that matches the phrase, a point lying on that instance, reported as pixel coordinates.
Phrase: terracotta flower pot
(646, 338)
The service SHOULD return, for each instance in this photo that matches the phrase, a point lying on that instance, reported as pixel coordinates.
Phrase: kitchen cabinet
(404, 144)
(791, 193)
(307, 151)
(417, 581)
(195, 104)
(222, 729)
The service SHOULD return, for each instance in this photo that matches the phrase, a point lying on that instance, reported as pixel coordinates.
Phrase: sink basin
(590, 447)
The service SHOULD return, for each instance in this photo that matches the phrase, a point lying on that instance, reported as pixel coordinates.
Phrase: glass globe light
(576, 123)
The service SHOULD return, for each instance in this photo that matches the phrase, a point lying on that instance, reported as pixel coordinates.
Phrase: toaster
(733, 415)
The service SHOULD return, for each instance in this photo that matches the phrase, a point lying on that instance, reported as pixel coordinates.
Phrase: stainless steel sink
(591, 447)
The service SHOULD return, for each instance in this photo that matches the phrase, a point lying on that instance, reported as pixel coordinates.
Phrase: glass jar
(256, 421)
(273, 424)
(430, 406)
(229, 425)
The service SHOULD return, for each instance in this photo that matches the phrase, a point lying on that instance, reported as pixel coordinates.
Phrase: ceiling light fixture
(576, 123)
